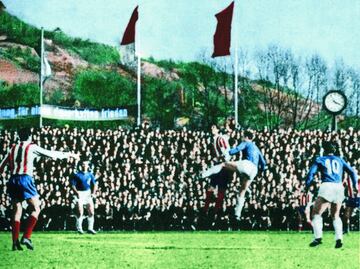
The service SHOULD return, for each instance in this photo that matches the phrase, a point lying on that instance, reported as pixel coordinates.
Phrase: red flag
(129, 35)
(222, 36)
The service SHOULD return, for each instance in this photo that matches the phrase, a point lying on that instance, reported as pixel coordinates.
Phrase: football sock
(79, 221)
(15, 230)
(30, 226)
(338, 227)
(91, 223)
(207, 200)
(317, 223)
(212, 170)
(219, 200)
(239, 206)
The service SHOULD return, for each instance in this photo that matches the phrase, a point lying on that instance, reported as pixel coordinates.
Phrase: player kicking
(331, 191)
(247, 167)
(81, 184)
(219, 180)
(21, 184)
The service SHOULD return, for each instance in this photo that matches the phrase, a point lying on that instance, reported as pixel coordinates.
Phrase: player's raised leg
(212, 170)
(320, 206)
(34, 204)
(17, 211)
(337, 223)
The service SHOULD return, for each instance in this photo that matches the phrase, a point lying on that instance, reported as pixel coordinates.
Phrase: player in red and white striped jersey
(221, 143)
(305, 202)
(21, 184)
(352, 202)
(219, 180)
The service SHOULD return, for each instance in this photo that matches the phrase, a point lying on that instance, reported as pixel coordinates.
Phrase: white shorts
(247, 167)
(332, 192)
(84, 197)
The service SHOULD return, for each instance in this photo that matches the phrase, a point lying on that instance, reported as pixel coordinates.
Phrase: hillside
(89, 74)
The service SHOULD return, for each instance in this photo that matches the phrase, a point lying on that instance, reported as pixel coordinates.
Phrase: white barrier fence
(63, 113)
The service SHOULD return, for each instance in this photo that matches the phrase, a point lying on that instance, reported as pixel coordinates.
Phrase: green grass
(182, 250)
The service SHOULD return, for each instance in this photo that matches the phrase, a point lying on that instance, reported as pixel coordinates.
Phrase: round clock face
(335, 101)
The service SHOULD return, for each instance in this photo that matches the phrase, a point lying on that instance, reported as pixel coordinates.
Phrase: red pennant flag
(129, 35)
(222, 36)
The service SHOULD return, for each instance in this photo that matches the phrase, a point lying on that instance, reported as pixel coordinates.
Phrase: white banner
(63, 113)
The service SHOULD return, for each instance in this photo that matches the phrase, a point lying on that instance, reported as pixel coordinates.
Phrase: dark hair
(81, 161)
(232, 141)
(24, 134)
(330, 147)
(249, 134)
(213, 125)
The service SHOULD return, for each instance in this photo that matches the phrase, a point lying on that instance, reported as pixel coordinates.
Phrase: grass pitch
(186, 250)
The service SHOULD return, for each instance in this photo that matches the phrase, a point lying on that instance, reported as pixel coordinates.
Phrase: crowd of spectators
(149, 179)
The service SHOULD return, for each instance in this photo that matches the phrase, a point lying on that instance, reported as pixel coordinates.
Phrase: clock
(334, 102)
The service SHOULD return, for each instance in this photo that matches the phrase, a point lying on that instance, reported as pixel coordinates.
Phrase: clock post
(334, 102)
(333, 123)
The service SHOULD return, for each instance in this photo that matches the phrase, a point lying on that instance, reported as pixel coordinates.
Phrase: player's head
(24, 134)
(84, 165)
(330, 147)
(248, 135)
(214, 129)
(230, 125)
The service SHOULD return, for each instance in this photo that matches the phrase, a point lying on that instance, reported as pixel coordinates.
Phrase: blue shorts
(301, 209)
(21, 187)
(220, 179)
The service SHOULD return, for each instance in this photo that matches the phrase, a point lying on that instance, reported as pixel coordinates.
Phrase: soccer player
(352, 202)
(331, 191)
(305, 203)
(21, 184)
(252, 158)
(84, 184)
(219, 180)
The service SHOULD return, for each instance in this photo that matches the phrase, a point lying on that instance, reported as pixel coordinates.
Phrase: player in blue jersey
(331, 191)
(252, 158)
(84, 185)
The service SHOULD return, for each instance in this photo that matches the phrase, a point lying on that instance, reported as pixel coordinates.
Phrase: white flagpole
(138, 89)
(138, 53)
(236, 67)
(137, 49)
(41, 75)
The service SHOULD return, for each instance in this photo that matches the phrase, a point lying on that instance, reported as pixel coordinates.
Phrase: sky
(181, 29)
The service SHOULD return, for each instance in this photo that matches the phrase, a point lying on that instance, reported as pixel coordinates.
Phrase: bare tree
(317, 80)
(223, 66)
(354, 95)
(263, 77)
(296, 86)
(341, 76)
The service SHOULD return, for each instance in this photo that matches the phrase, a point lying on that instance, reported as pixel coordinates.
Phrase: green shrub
(19, 95)
(104, 89)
